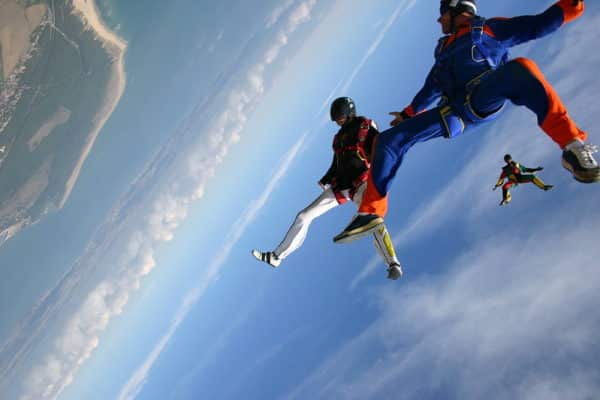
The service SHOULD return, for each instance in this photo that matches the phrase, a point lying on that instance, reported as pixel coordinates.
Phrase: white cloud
(276, 14)
(509, 313)
(80, 335)
(273, 52)
(157, 223)
(300, 15)
(135, 384)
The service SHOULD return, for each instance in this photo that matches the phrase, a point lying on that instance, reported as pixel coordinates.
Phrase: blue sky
(150, 291)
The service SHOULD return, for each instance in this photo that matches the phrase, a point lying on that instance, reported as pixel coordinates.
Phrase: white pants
(325, 202)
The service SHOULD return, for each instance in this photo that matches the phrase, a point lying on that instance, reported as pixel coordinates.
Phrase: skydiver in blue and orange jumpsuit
(515, 173)
(472, 78)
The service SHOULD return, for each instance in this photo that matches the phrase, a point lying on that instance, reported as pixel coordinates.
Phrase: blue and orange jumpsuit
(472, 78)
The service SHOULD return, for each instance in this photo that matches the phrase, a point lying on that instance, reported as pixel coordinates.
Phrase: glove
(398, 117)
(495, 187)
(538, 168)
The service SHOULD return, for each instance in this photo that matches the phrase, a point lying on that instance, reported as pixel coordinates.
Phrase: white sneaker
(267, 257)
(577, 157)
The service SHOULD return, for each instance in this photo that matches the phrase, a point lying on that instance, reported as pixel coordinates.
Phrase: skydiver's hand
(397, 118)
(539, 168)
(495, 187)
(324, 187)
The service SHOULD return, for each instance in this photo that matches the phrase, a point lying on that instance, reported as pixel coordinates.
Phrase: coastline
(115, 46)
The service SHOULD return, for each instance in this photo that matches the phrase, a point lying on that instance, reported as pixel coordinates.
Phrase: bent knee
(525, 68)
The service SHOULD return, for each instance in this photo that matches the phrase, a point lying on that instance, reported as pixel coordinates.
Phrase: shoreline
(87, 10)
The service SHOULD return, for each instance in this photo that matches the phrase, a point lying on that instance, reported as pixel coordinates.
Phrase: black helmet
(458, 6)
(507, 158)
(342, 107)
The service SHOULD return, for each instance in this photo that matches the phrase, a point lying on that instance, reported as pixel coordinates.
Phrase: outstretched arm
(500, 180)
(527, 169)
(517, 30)
(424, 97)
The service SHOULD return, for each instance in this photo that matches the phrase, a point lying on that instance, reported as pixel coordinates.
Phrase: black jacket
(348, 165)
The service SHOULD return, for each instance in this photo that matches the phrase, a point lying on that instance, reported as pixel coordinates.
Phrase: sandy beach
(115, 46)
(17, 23)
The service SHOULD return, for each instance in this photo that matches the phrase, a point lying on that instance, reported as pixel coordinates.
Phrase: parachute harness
(359, 148)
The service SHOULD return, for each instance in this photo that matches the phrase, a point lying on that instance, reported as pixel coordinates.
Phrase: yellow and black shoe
(361, 225)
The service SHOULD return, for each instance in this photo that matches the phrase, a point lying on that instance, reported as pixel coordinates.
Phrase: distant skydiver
(344, 180)
(514, 174)
(472, 78)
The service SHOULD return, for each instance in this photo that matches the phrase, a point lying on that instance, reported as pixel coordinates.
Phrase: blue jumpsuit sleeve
(517, 30)
(428, 93)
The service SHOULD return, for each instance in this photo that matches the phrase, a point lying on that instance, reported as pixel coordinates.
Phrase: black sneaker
(394, 271)
(361, 225)
(577, 157)
(267, 257)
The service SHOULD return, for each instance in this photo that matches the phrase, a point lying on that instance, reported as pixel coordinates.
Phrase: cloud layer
(136, 382)
(503, 322)
(125, 245)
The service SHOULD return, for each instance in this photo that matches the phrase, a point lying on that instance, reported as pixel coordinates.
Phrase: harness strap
(359, 145)
(359, 148)
(477, 31)
(363, 132)
(477, 24)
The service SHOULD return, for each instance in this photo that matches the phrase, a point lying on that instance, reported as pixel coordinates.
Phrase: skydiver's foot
(267, 257)
(361, 225)
(394, 271)
(504, 201)
(548, 187)
(577, 157)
